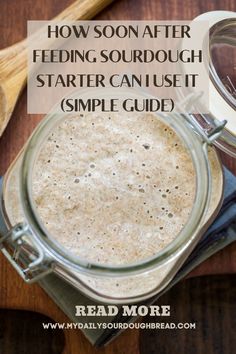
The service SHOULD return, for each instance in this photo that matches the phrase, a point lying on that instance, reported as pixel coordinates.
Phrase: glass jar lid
(221, 51)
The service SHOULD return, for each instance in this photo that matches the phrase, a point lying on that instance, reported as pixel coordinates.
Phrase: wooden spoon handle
(13, 60)
(78, 10)
(83, 10)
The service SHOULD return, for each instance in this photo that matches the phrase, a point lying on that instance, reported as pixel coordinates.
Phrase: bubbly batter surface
(114, 189)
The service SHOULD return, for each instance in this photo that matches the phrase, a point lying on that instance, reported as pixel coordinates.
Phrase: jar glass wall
(107, 282)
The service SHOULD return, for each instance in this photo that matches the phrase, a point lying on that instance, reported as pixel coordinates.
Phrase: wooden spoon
(13, 60)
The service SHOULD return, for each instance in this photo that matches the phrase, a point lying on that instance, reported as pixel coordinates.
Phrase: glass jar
(222, 91)
(34, 253)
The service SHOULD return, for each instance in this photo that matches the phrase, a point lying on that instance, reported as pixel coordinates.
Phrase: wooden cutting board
(14, 293)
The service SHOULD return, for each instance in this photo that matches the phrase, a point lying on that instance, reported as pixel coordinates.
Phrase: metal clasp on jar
(25, 254)
(206, 126)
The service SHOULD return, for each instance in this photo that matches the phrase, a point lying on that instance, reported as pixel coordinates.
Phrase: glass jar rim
(222, 32)
(221, 105)
(202, 172)
(219, 34)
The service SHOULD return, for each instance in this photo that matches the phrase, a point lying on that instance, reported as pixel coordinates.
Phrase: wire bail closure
(31, 267)
(209, 131)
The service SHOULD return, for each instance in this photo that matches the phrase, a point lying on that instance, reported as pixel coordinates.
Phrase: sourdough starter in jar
(113, 189)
